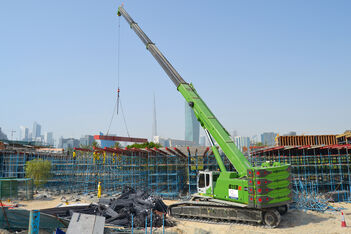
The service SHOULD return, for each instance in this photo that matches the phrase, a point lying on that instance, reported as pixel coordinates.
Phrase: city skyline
(261, 69)
(266, 138)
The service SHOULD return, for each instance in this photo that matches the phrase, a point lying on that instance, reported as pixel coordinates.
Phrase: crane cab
(206, 181)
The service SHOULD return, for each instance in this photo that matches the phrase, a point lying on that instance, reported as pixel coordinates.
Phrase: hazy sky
(259, 65)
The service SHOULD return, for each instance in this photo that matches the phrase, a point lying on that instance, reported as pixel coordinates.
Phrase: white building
(242, 141)
(172, 142)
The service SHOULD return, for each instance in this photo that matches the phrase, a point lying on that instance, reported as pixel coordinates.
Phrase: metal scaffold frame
(162, 172)
(315, 169)
(172, 172)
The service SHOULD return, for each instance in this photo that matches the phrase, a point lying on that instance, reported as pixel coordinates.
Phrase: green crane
(253, 194)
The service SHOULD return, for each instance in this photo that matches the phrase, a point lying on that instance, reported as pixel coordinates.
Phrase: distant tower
(235, 133)
(154, 122)
(192, 126)
(36, 130)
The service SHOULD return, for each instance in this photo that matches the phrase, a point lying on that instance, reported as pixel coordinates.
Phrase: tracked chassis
(214, 210)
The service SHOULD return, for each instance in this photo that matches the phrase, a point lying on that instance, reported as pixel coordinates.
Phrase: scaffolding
(164, 172)
(315, 169)
(172, 172)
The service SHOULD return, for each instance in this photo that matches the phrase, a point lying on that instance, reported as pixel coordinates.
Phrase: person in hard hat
(99, 190)
(277, 139)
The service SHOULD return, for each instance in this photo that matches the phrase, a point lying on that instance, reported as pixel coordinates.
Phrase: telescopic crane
(250, 194)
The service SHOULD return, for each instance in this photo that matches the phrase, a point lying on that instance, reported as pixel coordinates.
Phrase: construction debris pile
(132, 207)
(136, 203)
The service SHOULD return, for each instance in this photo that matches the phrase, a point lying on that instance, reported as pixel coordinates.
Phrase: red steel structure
(119, 138)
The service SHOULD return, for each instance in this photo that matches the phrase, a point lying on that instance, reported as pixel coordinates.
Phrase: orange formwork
(307, 140)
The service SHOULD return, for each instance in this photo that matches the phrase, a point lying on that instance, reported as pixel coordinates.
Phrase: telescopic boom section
(167, 66)
(204, 115)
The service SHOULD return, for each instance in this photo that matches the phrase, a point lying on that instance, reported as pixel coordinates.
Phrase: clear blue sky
(259, 65)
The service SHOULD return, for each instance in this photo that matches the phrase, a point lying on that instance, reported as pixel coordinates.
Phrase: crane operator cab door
(204, 183)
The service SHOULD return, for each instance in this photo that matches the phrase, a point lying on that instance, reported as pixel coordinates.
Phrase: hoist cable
(118, 58)
(113, 115)
(124, 119)
(118, 100)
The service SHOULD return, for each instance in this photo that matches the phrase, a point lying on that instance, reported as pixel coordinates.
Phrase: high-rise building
(192, 126)
(241, 142)
(2, 135)
(202, 140)
(68, 143)
(36, 130)
(24, 134)
(154, 122)
(86, 140)
(235, 133)
(49, 138)
(268, 138)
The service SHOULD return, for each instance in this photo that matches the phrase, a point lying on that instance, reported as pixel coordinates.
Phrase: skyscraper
(202, 140)
(36, 130)
(2, 135)
(49, 138)
(154, 122)
(24, 134)
(268, 138)
(192, 126)
(86, 140)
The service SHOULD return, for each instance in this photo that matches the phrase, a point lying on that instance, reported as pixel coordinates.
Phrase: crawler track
(223, 213)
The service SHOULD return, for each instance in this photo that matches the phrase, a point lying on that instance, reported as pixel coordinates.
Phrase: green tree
(95, 144)
(118, 145)
(39, 170)
(84, 146)
(145, 145)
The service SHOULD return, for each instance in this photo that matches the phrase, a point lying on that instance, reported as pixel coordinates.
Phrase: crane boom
(165, 64)
(204, 115)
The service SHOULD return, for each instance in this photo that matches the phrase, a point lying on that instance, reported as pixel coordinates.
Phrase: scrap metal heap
(132, 207)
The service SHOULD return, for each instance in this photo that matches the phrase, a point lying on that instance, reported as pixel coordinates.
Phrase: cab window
(201, 181)
(207, 180)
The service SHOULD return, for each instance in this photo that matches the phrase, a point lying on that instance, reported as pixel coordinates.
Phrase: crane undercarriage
(213, 210)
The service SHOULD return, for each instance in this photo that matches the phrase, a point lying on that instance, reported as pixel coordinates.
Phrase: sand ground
(295, 221)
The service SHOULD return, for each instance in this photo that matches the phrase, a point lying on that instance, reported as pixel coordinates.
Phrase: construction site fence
(14, 188)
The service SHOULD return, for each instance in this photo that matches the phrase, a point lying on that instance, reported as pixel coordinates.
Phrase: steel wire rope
(117, 56)
(124, 119)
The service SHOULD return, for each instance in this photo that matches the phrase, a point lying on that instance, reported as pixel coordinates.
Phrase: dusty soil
(296, 221)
